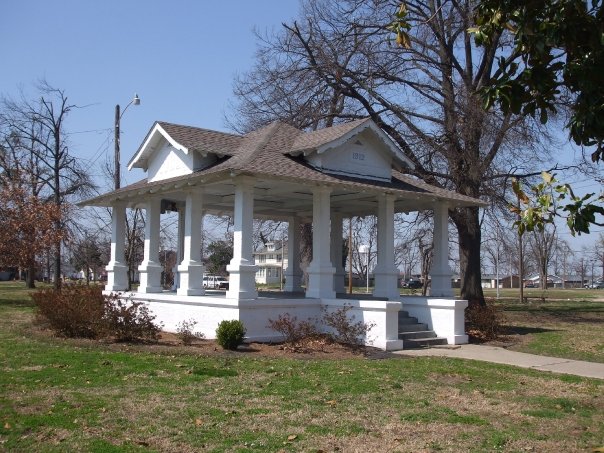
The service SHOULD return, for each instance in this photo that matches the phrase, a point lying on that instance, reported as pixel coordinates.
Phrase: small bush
(184, 332)
(230, 334)
(74, 311)
(84, 312)
(130, 320)
(484, 323)
(293, 331)
(346, 331)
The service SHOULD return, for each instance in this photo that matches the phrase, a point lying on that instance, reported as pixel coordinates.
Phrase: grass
(74, 395)
(567, 328)
(549, 294)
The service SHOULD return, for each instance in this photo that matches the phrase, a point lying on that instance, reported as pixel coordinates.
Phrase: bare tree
(581, 266)
(599, 253)
(86, 254)
(41, 125)
(135, 243)
(336, 64)
(543, 246)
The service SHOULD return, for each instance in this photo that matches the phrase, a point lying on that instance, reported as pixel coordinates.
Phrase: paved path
(500, 355)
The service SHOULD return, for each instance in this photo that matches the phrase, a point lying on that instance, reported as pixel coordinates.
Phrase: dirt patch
(314, 349)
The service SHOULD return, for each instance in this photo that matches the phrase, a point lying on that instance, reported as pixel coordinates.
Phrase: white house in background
(553, 281)
(284, 174)
(271, 261)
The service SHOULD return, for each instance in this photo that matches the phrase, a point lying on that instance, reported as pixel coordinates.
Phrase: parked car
(529, 285)
(215, 282)
(412, 284)
(596, 285)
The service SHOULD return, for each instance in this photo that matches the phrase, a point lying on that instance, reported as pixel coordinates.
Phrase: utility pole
(350, 255)
(521, 258)
(116, 139)
(497, 262)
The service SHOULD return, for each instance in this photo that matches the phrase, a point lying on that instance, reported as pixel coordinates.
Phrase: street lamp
(365, 249)
(136, 101)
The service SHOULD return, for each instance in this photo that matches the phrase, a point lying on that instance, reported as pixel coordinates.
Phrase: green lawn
(67, 395)
(568, 328)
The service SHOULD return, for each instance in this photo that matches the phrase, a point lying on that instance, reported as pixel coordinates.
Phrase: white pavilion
(282, 173)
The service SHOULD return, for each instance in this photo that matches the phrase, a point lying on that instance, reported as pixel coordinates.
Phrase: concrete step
(403, 314)
(414, 335)
(412, 327)
(423, 342)
(407, 320)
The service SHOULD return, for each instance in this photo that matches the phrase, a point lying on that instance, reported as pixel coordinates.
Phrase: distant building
(272, 262)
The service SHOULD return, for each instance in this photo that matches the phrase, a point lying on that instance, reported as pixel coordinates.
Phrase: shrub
(345, 330)
(230, 334)
(484, 323)
(83, 311)
(72, 311)
(293, 331)
(184, 332)
(130, 320)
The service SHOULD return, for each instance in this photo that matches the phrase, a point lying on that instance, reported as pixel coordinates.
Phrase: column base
(150, 276)
(386, 284)
(338, 281)
(320, 282)
(293, 283)
(440, 285)
(190, 279)
(242, 281)
(117, 277)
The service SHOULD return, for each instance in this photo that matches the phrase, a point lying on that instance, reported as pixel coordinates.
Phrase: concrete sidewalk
(500, 355)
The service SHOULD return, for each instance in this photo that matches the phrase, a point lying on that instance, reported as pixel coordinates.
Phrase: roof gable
(185, 139)
(325, 139)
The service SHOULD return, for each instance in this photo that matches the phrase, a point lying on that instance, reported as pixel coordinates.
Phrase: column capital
(322, 189)
(244, 180)
(119, 204)
(440, 205)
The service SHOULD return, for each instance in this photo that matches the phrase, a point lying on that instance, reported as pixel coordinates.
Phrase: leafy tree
(546, 201)
(337, 63)
(220, 254)
(557, 59)
(29, 226)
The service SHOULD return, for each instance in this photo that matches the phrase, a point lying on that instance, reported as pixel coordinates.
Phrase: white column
(117, 269)
(150, 269)
(293, 273)
(179, 247)
(386, 272)
(441, 272)
(242, 281)
(320, 271)
(337, 243)
(191, 268)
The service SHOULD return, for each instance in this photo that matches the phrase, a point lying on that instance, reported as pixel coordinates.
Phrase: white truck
(215, 282)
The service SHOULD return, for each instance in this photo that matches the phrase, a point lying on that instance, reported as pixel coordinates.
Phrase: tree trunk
(305, 249)
(468, 228)
(57, 268)
(30, 277)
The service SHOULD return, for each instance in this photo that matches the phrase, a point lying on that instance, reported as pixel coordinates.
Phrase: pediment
(162, 156)
(364, 151)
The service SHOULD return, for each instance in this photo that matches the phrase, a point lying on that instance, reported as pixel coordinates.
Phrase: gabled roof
(185, 138)
(323, 139)
(274, 153)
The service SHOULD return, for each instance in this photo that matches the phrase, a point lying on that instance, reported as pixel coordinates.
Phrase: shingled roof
(274, 153)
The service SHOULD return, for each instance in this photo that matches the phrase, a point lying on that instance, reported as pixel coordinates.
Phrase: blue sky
(179, 56)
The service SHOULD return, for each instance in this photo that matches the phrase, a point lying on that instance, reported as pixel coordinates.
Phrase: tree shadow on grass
(523, 330)
(16, 303)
